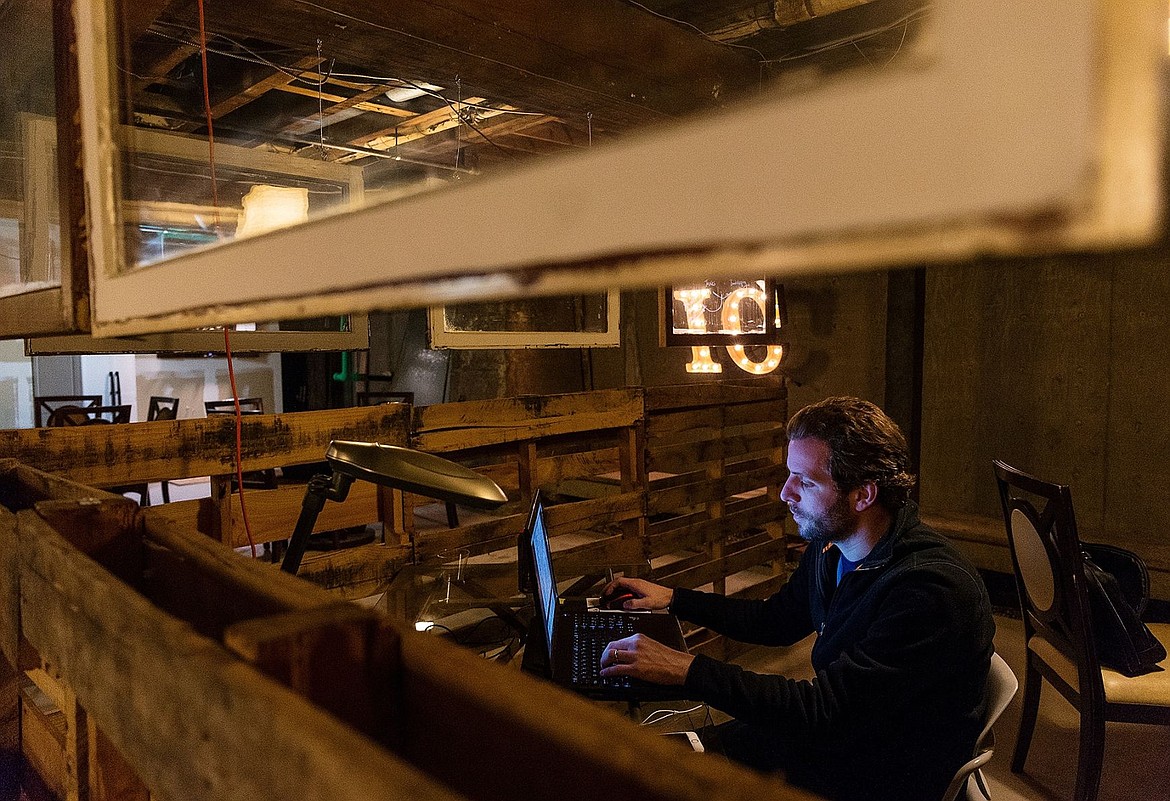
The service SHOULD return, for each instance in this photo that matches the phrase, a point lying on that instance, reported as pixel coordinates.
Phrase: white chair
(1001, 687)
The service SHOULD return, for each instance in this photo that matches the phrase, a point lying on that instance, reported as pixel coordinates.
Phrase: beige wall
(1059, 367)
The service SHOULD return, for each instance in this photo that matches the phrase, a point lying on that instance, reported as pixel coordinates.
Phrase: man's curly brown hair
(864, 445)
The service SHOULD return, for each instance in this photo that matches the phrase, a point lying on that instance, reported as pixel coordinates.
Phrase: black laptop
(573, 640)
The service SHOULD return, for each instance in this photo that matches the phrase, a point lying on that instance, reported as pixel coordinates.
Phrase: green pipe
(344, 375)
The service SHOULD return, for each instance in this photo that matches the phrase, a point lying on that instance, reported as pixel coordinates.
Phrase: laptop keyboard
(592, 631)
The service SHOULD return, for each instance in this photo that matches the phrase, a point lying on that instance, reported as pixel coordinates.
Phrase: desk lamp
(389, 466)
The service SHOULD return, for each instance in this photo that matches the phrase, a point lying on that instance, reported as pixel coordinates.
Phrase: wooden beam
(356, 102)
(136, 452)
(275, 80)
(537, 56)
(342, 101)
(157, 68)
(213, 723)
(338, 656)
(452, 426)
(354, 573)
(581, 760)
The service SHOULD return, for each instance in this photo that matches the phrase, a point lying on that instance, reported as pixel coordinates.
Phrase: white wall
(95, 372)
(194, 380)
(16, 393)
(190, 379)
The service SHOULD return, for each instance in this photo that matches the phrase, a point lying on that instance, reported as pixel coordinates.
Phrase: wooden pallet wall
(680, 483)
(545, 442)
(190, 673)
(714, 457)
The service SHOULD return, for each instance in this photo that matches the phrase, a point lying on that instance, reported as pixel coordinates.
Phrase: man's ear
(865, 496)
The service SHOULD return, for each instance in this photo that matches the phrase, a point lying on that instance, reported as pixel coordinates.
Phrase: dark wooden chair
(1058, 628)
(253, 479)
(71, 415)
(163, 408)
(247, 406)
(45, 405)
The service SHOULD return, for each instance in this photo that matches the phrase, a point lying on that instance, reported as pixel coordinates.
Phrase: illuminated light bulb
(756, 368)
(701, 362)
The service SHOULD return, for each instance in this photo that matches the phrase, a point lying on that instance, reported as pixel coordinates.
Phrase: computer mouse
(615, 599)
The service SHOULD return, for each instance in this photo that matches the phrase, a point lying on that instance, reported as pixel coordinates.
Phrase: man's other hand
(644, 658)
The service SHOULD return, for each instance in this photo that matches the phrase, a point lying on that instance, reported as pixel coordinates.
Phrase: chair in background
(253, 479)
(1001, 688)
(163, 408)
(247, 406)
(93, 414)
(71, 415)
(375, 397)
(45, 405)
(1058, 628)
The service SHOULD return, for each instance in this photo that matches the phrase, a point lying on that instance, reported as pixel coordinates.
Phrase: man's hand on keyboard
(643, 658)
(647, 594)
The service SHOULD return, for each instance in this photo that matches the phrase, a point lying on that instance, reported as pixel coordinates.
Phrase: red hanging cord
(227, 341)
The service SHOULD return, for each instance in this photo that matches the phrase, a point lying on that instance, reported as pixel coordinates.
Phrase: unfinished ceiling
(454, 85)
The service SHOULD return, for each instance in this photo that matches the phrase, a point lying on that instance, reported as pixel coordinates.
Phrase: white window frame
(1026, 128)
(39, 213)
(463, 339)
(51, 309)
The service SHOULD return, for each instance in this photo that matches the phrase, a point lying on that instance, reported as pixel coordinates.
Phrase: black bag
(1118, 587)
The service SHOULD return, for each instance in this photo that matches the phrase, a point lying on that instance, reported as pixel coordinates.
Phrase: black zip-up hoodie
(901, 658)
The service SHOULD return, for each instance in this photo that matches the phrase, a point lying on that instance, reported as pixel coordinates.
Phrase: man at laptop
(903, 624)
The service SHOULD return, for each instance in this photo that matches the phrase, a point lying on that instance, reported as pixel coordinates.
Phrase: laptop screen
(546, 584)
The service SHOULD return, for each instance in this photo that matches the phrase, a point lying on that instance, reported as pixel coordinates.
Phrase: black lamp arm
(321, 488)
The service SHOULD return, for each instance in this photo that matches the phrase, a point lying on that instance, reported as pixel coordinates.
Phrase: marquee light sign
(745, 317)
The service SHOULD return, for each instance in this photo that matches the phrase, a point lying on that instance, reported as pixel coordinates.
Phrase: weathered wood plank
(665, 398)
(766, 413)
(571, 739)
(459, 426)
(136, 452)
(356, 572)
(340, 657)
(9, 589)
(42, 735)
(706, 491)
(686, 456)
(104, 529)
(729, 564)
(704, 422)
(691, 531)
(214, 728)
(209, 586)
(110, 777)
(21, 485)
(552, 469)
(600, 514)
(273, 514)
(10, 759)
